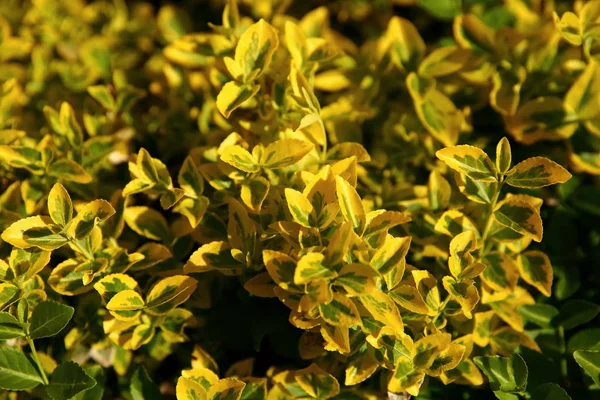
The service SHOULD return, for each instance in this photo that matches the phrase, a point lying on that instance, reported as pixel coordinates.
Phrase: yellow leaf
(382, 308)
(503, 156)
(469, 160)
(296, 43)
(316, 382)
(126, 305)
(260, 285)
(240, 158)
(446, 360)
(168, 293)
(439, 191)
(301, 209)
(234, 95)
(213, 255)
(443, 61)
(357, 279)
(454, 222)
(506, 90)
(409, 297)
(470, 32)
(255, 49)
(254, 192)
(391, 254)
(465, 293)
(501, 273)
(60, 206)
(225, 389)
(485, 324)
(341, 311)
(285, 152)
(406, 45)
(535, 268)
(406, 378)
(569, 27)
(148, 222)
(582, 97)
(188, 389)
(310, 268)
(112, 284)
(426, 349)
(336, 338)
(520, 216)
(14, 233)
(351, 204)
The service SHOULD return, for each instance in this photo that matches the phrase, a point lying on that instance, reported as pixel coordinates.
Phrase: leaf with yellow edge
(461, 247)
(357, 279)
(141, 335)
(351, 205)
(126, 305)
(465, 373)
(310, 268)
(536, 172)
(240, 158)
(582, 97)
(521, 216)
(506, 90)
(254, 192)
(380, 220)
(391, 254)
(284, 153)
(14, 233)
(25, 264)
(485, 324)
(234, 95)
(406, 45)
(507, 308)
(426, 284)
(361, 365)
(260, 285)
(439, 191)
(296, 43)
(148, 223)
(60, 206)
(336, 338)
(88, 217)
(447, 359)
(454, 222)
(69, 170)
(316, 382)
(382, 309)
(406, 378)
(470, 32)
(501, 273)
(443, 61)
(213, 255)
(426, 348)
(301, 209)
(280, 267)
(8, 294)
(112, 284)
(226, 389)
(465, 293)
(241, 229)
(255, 49)
(435, 110)
(569, 27)
(341, 311)
(469, 160)
(188, 389)
(535, 269)
(168, 293)
(409, 297)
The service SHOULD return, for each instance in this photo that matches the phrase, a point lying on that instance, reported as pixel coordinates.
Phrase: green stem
(37, 361)
(563, 359)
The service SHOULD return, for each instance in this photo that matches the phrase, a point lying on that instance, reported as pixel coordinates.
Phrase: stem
(490, 219)
(563, 360)
(37, 361)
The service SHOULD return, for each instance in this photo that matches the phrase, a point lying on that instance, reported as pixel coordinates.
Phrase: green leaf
(142, 387)
(49, 318)
(589, 360)
(68, 380)
(97, 391)
(442, 9)
(148, 222)
(17, 371)
(539, 314)
(69, 170)
(549, 391)
(576, 312)
(507, 375)
(10, 327)
(503, 155)
(586, 339)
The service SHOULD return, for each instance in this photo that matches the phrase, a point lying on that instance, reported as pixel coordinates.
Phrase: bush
(284, 199)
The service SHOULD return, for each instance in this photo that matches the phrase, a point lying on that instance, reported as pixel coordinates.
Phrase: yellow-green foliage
(164, 179)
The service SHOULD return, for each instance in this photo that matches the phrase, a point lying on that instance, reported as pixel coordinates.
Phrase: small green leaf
(17, 371)
(69, 170)
(68, 380)
(10, 327)
(142, 387)
(549, 391)
(49, 318)
(507, 375)
(576, 312)
(589, 360)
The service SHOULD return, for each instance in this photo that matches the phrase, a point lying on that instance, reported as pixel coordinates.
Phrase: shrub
(278, 199)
